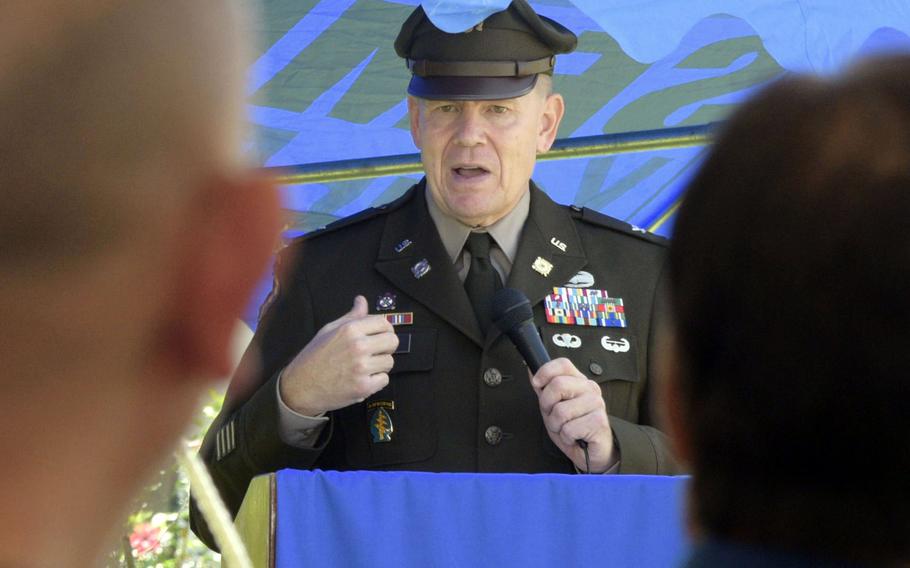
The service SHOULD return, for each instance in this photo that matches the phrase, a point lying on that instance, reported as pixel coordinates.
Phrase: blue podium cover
(402, 519)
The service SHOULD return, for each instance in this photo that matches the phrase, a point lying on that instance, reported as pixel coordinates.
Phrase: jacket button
(492, 377)
(596, 369)
(493, 435)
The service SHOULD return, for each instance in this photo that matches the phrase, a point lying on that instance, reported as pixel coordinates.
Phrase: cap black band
(426, 68)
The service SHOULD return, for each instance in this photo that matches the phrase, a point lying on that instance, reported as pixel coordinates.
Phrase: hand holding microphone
(571, 405)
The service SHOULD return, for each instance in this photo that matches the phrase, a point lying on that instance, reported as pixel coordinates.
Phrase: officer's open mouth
(470, 171)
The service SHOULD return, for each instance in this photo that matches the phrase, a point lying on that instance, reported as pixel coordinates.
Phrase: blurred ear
(414, 116)
(228, 239)
(551, 115)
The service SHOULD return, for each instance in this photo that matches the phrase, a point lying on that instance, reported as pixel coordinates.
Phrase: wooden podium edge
(257, 519)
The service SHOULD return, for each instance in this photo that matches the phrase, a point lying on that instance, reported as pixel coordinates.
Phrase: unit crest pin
(386, 302)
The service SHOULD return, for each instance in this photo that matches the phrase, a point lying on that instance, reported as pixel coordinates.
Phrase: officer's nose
(470, 127)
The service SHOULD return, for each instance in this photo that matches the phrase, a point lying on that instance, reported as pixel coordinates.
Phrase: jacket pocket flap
(416, 350)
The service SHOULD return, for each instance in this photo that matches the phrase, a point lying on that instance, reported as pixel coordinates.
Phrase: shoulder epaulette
(597, 218)
(358, 217)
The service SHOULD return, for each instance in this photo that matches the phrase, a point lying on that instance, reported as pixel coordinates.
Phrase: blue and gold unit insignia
(381, 427)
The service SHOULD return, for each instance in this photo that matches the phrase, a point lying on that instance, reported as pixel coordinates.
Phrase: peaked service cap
(500, 58)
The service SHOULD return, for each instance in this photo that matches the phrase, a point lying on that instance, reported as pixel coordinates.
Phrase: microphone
(513, 315)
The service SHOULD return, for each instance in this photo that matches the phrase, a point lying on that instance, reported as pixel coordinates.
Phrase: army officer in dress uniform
(413, 376)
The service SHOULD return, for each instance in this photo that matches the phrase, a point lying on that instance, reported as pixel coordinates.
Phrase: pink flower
(146, 539)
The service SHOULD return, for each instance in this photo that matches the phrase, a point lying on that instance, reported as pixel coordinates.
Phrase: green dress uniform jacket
(456, 401)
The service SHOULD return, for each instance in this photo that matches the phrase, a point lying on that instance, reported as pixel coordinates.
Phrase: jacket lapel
(439, 289)
(549, 234)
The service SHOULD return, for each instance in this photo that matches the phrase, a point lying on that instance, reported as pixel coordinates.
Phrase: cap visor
(470, 88)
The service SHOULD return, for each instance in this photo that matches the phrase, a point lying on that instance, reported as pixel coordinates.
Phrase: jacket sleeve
(644, 449)
(243, 440)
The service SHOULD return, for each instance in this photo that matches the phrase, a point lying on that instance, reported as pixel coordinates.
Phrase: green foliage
(157, 533)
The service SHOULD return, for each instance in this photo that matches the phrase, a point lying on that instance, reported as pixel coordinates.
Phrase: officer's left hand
(573, 409)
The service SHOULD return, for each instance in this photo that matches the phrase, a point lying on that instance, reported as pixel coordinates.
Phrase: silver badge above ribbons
(583, 279)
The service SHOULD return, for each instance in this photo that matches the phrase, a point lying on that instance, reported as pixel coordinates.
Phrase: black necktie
(482, 280)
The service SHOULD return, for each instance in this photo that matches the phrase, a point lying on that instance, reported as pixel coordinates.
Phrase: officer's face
(479, 155)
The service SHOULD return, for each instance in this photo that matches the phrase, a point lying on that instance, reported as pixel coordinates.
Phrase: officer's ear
(227, 236)
(414, 116)
(554, 107)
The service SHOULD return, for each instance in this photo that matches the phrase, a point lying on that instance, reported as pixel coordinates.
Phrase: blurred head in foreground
(131, 234)
(789, 384)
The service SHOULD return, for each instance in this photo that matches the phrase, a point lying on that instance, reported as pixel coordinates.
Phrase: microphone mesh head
(510, 308)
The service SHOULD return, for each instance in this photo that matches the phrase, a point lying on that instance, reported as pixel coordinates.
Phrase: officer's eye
(446, 108)
(499, 109)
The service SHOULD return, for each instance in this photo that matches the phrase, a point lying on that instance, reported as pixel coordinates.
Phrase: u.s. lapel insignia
(399, 318)
(381, 427)
(542, 266)
(582, 306)
(567, 340)
(582, 279)
(403, 245)
(385, 302)
(420, 269)
(558, 244)
(614, 345)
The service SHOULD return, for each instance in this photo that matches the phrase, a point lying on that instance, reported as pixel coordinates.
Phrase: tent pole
(565, 148)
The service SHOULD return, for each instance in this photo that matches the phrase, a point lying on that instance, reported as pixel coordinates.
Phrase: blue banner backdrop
(327, 86)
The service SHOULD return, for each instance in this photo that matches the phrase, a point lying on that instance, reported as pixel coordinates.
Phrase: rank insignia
(385, 302)
(400, 318)
(420, 269)
(542, 266)
(583, 306)
(403, 245)
(381, 427)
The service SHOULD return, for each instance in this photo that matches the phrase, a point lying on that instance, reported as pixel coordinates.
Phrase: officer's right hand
(348, 360)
